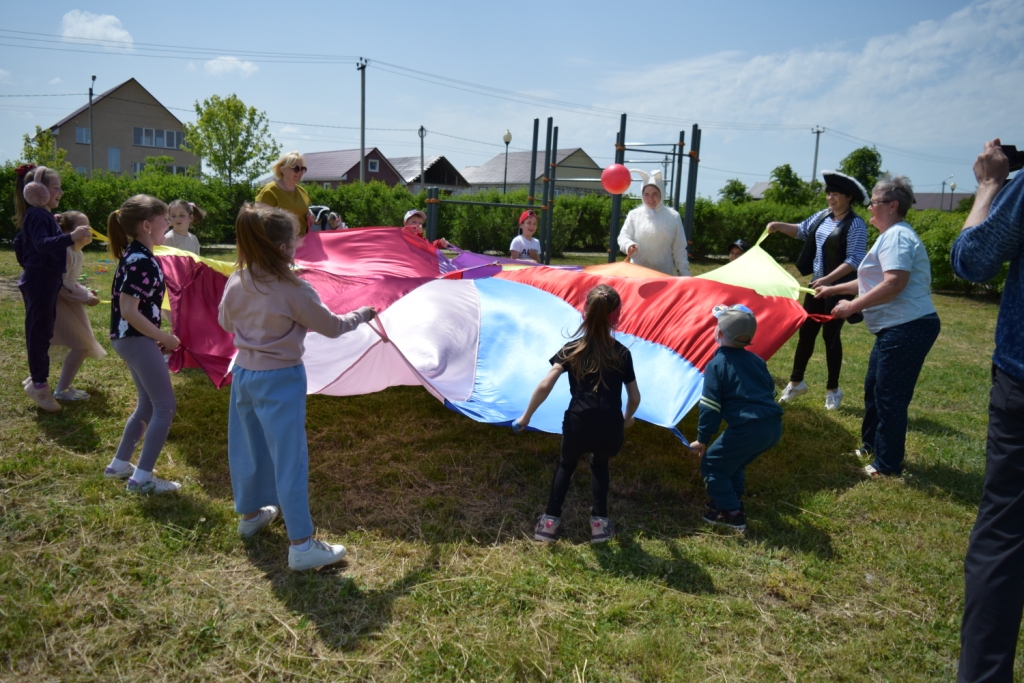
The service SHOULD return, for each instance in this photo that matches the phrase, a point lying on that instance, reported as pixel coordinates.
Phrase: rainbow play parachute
(476, 332)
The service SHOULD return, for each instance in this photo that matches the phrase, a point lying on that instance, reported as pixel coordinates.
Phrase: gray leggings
(156, 400)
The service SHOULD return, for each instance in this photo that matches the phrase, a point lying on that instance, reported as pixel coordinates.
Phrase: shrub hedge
(580, 222)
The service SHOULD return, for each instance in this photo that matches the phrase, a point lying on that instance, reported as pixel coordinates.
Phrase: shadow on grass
(74, 427)
(963, 487)
(343, 613)
(626, 558)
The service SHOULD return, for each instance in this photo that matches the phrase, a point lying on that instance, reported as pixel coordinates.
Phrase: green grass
(837, 578)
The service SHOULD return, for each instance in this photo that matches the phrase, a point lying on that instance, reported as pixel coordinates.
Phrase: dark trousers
(808, 337)
(724, 464)
(39, 290)
(895, 363)
(598, 432)
(994, 568)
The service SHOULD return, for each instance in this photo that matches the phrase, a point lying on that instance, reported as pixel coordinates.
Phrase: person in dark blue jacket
(739, 389)
(41, 248)
(993, 234)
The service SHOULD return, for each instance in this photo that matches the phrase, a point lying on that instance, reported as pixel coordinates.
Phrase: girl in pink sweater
(268, 310)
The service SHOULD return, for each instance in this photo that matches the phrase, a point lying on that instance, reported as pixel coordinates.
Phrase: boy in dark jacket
(739, 389)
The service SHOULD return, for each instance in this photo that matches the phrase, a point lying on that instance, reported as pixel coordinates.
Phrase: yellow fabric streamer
(222, 267)
(757, 270)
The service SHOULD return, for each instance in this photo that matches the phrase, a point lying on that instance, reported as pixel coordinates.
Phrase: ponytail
(260, 232)
(594, 351)
(69, 220)
(123, 225)
(26, 174)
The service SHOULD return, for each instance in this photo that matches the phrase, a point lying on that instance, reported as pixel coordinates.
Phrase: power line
(67, 94)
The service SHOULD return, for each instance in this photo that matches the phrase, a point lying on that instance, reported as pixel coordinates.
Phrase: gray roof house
(340, 167)
(491, 175)
(757, 189)
(439, 172)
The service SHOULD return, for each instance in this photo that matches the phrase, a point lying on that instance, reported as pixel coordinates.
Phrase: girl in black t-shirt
(598, 366)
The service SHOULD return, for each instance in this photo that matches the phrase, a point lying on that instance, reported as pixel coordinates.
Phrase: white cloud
(923, 87)
(56, 81)
(230, 65)
(288, 130)
(79, 26)
(5, 76)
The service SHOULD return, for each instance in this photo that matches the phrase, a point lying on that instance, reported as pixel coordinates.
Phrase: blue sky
(925, 81)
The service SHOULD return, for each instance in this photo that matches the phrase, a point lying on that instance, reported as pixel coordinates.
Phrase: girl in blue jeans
(269, 309)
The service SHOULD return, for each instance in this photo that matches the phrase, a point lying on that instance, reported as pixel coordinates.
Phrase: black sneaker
(734, 519)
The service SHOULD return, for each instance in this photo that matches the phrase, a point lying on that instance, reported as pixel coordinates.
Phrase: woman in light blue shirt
(893, 289)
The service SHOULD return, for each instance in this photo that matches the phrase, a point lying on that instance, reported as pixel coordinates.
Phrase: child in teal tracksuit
(739, 389)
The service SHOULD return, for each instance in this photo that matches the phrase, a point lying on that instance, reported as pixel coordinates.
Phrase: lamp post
(507, 137)
(942, 194)
(92, 160)
(423, 134)
(952, 189)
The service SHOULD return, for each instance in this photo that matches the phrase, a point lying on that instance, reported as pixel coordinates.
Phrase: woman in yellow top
(285, 192)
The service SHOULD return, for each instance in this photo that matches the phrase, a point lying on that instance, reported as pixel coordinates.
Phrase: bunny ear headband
(36, 193)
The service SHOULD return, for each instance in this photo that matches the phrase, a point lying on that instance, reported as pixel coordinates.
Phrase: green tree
(787, 187)
(734, 191)
(233, 140)
(864, 164)
(42, 150)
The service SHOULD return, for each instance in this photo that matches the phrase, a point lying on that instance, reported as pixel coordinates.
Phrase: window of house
(114, 159)
(137, 167)
(374, 166)
(81, 170)
(344, 176)
(158, 137)
(326, 186)
(82, 136)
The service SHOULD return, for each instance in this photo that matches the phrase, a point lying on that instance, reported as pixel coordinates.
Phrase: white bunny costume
(658, 233)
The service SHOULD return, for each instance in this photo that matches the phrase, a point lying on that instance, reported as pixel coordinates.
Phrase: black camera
(1016, 158)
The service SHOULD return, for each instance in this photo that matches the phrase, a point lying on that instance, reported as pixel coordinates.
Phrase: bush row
(580, 222)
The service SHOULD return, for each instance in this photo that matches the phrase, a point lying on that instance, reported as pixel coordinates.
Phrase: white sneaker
(792, 391)
(126, 473)
(833, 399)
(154, 485)
(247, 528)
(320, 554)
(42, 396)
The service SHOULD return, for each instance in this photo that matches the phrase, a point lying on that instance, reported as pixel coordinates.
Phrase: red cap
(526, 214)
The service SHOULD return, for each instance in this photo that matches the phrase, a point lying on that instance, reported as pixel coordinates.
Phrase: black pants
(994, 568)
(809, 335)
(598, 432)
(39, 290)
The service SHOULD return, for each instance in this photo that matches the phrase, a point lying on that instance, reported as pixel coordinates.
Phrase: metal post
(533, 162)
(423, 178)
(551, 200)
(361, 67)
(92, 158)
(691, 183)
(942, 193)
(613, 230)
(432, 212)
(818, 130)
(544, 200)
(677, 188)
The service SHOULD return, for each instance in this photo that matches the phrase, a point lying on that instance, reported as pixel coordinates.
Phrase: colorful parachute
(477, 332)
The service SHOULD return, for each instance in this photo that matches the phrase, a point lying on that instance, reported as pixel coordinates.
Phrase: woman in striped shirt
(835, 241)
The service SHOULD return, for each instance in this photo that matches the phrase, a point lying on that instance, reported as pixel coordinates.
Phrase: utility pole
(92, 158)
(361, 68)
(816, 131)
(423, 134)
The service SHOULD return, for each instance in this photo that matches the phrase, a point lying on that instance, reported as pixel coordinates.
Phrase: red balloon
(615, 179)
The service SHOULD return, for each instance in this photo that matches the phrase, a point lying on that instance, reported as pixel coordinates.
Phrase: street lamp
(507, 137)
(952, 189)
(942, 194)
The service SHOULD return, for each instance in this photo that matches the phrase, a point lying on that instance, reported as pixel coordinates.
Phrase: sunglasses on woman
(299, 169)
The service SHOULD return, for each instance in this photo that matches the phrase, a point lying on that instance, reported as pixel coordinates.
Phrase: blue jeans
(725, 462)
(895, 363)
(267, 451)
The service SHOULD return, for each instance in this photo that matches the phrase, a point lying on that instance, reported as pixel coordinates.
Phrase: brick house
(129, 125)
(330, 169)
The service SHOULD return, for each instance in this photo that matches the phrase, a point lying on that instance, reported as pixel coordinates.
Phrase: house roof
(757, 189)
(493, 172)
(325, 166)
(97, 98)
(409, 168)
